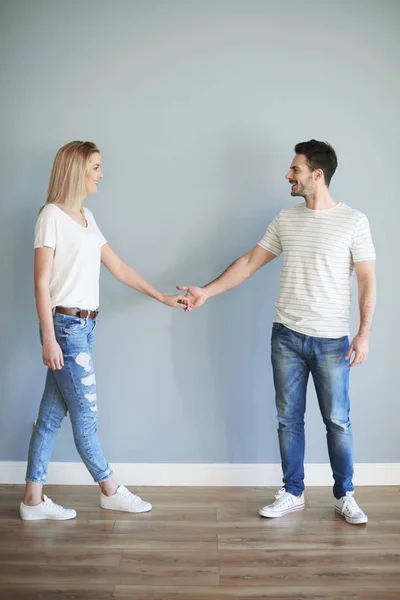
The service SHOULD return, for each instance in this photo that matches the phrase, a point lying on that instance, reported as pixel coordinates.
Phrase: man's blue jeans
(294, 356)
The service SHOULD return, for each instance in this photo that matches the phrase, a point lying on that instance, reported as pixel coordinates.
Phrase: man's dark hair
(319, 155)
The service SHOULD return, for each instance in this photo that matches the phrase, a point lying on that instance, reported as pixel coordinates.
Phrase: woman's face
(93, 173)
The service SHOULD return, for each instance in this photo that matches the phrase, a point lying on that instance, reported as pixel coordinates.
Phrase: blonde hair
(67, 179)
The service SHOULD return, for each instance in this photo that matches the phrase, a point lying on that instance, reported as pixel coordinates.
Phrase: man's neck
(320, 200)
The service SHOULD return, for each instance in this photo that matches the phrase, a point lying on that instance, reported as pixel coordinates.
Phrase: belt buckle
(84, 311)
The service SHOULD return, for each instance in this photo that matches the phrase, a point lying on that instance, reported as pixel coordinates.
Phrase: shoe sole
(274, 515)
(350, 520)
(25, 518)
(133, 512)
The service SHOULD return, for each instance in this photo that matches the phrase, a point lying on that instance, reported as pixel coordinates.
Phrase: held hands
(360, 347)
(195, 295)
(177, 300)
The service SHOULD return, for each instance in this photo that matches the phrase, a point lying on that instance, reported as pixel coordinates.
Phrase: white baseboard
(210, 474)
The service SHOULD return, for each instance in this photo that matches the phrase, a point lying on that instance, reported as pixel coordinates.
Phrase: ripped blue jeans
(71, 389)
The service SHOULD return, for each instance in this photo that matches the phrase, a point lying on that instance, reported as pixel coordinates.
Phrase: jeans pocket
(277, 327)
(75, 324)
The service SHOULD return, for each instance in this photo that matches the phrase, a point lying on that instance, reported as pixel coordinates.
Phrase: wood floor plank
(336, 557)
(48, 528)
(61, 556)
(127, 574)
(334, 576)
(44, 591)
(275, 540)
(253, 593)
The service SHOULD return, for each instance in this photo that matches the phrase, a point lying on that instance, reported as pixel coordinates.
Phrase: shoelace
(50, 504)
(279, 496)
(350, 503)
(131, 497)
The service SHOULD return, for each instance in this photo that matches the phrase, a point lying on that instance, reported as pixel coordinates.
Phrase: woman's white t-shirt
(75, 274)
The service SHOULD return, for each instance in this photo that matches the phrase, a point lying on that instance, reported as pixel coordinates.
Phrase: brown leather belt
(76, 312)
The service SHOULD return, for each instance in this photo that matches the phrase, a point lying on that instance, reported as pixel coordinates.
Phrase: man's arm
(240, 270)
(366, 279)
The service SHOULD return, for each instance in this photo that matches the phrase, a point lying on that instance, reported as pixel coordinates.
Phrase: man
(322, 242)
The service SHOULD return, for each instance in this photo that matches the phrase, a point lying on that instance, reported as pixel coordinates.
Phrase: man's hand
(195, 295)
(360, 347)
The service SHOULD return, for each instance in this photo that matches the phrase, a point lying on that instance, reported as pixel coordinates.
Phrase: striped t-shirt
(319, 249)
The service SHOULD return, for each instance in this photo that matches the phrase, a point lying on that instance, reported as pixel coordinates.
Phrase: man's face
(300, 177)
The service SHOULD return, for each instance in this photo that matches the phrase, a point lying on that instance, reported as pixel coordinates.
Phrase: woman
(68, 249)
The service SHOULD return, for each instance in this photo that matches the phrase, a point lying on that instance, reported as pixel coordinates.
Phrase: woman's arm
(131, 278)
(52, 354)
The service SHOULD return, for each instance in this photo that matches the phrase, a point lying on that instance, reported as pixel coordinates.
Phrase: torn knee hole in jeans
(92, 400)
(83, 359)
(89, 380)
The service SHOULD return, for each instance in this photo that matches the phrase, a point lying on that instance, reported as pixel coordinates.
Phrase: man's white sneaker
(124, 501)
(349, 509)
(46, 510)
(283, 504)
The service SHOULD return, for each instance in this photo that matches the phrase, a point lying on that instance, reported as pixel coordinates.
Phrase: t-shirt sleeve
(271, 240)
(362, 247)
(45, 230)
(96, 229)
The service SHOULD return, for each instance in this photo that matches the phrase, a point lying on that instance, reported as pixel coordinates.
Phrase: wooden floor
(201, 543)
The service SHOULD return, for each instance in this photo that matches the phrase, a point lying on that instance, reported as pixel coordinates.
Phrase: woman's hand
(52, 355)
(178, 301)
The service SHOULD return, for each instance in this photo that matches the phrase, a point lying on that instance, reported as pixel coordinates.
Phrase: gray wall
(196, 106)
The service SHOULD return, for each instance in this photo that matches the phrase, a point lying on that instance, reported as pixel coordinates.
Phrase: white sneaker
(283, 504)
(125, 501)
(349, 509)
(46, 510)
